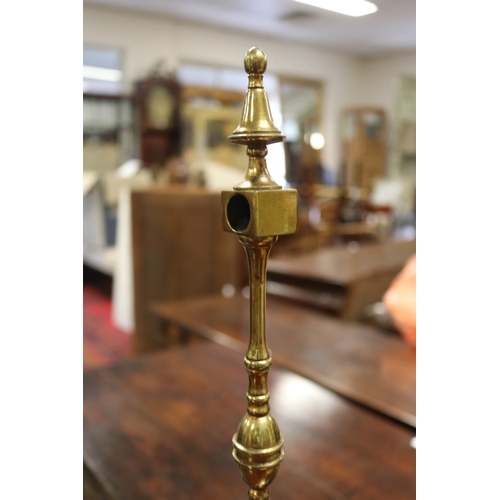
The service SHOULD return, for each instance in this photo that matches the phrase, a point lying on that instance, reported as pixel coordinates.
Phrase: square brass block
(260, 213)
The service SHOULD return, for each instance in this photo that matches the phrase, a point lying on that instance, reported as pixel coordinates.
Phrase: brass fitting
(258, 210)
(258, 206)
(260, 213)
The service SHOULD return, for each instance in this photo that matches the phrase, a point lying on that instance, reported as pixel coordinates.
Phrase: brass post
(258, 210)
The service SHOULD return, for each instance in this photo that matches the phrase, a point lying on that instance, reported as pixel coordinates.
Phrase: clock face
(159, 106)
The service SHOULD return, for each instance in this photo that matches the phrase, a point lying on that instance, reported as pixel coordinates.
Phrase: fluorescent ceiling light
(106, 74)
(354, 8)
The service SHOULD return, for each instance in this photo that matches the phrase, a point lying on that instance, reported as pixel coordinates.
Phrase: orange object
(400, 300)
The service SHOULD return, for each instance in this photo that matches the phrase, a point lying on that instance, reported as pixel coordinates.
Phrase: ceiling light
(106, 74)
(354, 8)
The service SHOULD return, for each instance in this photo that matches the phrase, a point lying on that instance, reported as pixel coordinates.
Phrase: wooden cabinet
(179, 251)
(363, 133)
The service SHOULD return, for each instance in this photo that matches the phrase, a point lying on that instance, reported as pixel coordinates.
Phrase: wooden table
(160, 426)
(340, 280)
(363, 363)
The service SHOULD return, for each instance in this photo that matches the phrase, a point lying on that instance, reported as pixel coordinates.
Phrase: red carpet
(103, 343)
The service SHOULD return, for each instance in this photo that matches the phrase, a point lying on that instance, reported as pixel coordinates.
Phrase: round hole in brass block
(238, 212)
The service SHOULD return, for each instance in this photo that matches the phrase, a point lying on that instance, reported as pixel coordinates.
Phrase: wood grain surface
(160, 427)
(342, 266)
(179, 251)
(361, 362)
(341, 280)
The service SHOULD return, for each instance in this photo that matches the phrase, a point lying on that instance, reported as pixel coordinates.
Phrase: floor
(103, 343)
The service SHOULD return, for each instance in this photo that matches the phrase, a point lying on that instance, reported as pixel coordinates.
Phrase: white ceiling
(390, 30)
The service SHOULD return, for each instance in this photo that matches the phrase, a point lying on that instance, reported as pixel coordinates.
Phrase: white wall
(348, 81)
(379, 80)
(145, 39)
(378, 84)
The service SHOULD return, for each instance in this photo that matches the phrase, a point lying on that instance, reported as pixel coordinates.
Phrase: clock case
(158, 141)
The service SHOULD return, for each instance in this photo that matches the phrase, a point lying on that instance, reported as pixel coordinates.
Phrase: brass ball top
(255, 61)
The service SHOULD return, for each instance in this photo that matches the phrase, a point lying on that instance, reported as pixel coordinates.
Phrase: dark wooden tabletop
(160, 427)
(342, 266)
(363, 363)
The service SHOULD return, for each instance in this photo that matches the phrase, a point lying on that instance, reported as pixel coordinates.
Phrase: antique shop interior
(249, 302)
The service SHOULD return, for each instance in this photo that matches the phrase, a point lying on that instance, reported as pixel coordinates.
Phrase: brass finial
(256, 124)
(258, 210)
(256, 128)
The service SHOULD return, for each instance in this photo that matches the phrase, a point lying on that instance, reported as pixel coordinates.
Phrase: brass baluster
(258, 210)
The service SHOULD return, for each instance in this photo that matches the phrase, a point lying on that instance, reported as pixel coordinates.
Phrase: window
(102, 73)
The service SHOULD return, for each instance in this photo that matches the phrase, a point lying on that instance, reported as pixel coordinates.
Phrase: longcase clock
(158, 99)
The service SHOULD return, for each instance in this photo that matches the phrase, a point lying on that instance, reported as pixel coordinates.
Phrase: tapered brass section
(256, 124)
(256, 128)
(258, 210)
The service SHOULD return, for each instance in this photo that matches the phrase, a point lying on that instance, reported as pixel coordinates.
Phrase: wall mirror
(301, 102)
(212, 99)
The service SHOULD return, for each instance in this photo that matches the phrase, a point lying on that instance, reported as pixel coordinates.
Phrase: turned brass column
(258, 210)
